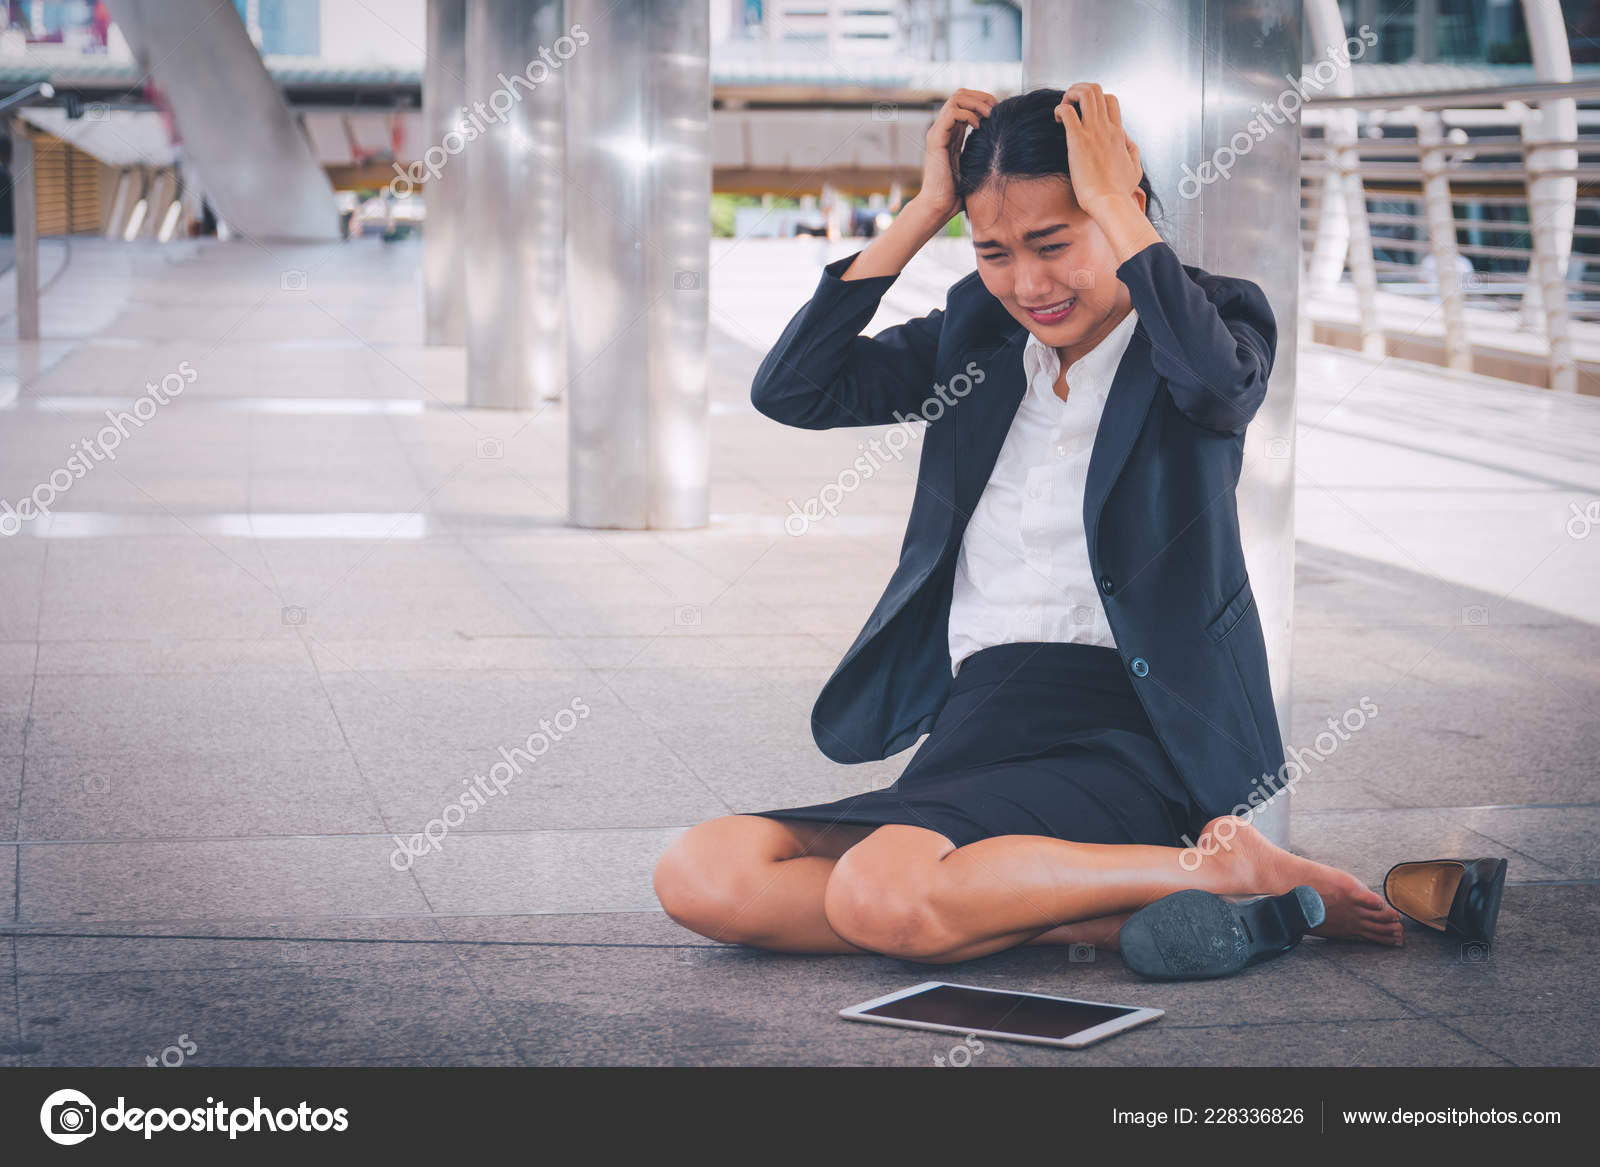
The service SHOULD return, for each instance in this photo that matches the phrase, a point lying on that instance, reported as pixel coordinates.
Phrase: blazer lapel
(1132, 389)
(982, 423)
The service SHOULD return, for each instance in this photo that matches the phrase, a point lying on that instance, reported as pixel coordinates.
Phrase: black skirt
(1035, 738)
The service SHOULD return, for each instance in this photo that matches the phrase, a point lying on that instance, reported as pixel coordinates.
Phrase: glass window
(1396, 30)
(1583, 29)
(1458, 30)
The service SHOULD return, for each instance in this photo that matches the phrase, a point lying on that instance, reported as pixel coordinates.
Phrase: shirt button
(1106, 585)
(1140, 668)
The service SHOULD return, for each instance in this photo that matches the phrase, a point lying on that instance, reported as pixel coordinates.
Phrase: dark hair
(1022, 139)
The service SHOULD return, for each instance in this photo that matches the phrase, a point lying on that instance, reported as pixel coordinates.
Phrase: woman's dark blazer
(1158, 508)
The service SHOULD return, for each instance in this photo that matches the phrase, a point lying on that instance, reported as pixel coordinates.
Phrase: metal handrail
(1435, 162)
(1499, 95)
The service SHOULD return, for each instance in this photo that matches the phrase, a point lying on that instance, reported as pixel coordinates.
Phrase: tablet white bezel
(1078, 1040)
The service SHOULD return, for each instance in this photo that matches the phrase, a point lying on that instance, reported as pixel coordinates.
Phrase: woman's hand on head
(1102, 158)
(942, 150)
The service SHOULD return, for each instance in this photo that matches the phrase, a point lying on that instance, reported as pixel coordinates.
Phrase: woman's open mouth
(1053, 313)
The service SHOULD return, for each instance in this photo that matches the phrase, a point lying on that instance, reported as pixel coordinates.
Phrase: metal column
(1192, 77)
(518, 55)
(444, 94)
(24, 206)
(638, 250)
(25, 230)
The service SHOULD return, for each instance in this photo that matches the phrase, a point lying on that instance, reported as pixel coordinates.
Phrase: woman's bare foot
(1355, 912)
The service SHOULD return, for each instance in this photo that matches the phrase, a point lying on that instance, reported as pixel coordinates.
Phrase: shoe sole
(1196, 935)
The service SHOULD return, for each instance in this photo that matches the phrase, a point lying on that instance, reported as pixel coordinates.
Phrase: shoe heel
(1314, 911)
(1292, 914)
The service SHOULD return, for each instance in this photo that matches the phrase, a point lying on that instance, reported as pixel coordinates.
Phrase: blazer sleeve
(823, 373)
(1212, 342)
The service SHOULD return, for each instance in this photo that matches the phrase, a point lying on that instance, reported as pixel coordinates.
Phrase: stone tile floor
(314, 594)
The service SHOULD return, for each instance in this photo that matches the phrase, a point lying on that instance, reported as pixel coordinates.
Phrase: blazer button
(1106, 585)
(1139, 667)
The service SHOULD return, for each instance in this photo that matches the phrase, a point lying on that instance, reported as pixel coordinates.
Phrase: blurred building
(930, 30)
(283, 27)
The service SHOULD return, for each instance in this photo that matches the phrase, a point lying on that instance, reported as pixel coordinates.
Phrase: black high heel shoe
(1195, 935)
(1458, 896)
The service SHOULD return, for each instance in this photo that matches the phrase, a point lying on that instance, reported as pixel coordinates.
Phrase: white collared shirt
(1023, 572)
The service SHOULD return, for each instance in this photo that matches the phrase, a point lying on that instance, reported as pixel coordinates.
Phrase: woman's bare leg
(748, 879)
(910, 892)
(1100, 932)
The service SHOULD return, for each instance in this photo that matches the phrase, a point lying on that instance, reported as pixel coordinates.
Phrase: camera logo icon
(686, 281)
(292, 281)
(1475, 952)
(491, 448)
(294, 615)
(68, 1117)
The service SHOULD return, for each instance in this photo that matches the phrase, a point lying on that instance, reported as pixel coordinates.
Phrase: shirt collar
(1092, 372)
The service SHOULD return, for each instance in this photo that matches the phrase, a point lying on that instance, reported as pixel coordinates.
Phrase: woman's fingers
(964, 106)
(1094, 104)
(1068, 117)
(957, 108)
(1092, 99)
(971, 100)
(945, 133)
(1094, 107)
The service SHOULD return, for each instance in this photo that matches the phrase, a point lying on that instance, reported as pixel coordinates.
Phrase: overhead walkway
(236, 126)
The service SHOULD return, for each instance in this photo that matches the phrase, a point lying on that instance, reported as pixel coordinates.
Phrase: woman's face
(1043, 257)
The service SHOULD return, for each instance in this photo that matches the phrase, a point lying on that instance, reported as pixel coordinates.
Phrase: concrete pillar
(638, 254)
(238, 131)
(444, 93)
(516, 54)
(1192, 76)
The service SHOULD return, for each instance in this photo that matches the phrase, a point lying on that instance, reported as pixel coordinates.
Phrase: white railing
(1383, 178)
